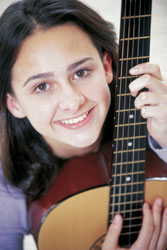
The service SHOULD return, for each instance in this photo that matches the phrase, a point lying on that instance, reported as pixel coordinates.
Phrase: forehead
(49, 47)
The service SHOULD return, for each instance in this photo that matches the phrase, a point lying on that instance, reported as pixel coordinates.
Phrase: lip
(79, 124)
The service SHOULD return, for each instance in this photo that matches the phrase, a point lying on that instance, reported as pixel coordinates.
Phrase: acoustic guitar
(88, 192)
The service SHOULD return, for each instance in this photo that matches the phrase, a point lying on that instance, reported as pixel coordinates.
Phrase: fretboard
(128, 168)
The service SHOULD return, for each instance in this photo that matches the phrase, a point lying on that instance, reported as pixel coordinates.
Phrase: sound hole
(98, 243)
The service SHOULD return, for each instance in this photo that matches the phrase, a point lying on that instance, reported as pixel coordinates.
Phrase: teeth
(75, 120)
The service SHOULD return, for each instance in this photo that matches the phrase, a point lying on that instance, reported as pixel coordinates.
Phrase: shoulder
(161, 152)
(13, 213)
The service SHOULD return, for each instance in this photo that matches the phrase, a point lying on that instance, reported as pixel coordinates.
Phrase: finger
(162, 242)
(156, 210)
(149, 82)
(147, 68)
(158, 113)
(150, 98)
(112, 237)
(158, 130)
(146, 231)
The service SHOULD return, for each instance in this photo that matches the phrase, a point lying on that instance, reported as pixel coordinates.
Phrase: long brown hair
(27, 161)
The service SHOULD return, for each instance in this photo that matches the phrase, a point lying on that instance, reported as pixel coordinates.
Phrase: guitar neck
(128, 168)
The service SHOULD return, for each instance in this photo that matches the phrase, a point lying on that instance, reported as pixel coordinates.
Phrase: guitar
(77, 216)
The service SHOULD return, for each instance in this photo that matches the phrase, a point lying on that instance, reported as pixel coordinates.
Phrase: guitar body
(80, 221)
(76, 223)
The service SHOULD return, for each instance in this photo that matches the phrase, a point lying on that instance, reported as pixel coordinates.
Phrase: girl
(58, 64)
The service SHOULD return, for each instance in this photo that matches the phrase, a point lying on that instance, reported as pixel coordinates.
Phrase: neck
(66, 151)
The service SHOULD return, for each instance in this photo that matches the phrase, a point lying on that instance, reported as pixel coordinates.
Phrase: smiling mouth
(75, 120)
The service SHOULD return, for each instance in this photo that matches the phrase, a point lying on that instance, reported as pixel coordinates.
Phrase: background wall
(110, 10)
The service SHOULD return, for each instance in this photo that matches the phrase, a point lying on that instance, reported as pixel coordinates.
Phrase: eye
(42, 87)
(81, 73)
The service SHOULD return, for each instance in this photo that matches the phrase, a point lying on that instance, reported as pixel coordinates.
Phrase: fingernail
(159, 202)
(146, 205)
(116, 219)
(133, 70)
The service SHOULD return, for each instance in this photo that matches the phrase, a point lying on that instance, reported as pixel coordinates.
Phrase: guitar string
(123, 198)
(141, 46)
(129, 99)
(118, 119)
(134, 119)
(138, 55)
(142, 54)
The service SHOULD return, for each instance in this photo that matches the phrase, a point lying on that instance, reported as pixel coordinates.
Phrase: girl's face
(60, 84)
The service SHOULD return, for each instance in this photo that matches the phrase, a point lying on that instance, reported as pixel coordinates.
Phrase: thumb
(112, 236)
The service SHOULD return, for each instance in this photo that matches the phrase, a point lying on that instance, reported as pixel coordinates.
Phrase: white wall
(110, 10)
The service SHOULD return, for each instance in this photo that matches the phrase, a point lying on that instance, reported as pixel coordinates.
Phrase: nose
(71, 99)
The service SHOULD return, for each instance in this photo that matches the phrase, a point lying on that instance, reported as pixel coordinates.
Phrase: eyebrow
(51, 74)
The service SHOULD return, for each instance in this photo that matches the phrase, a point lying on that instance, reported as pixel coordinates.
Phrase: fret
(126, 157)
(140, 16)
(130, 138)
(137, 31)
(135, 212)
(126, 77)
(128, 131)
(128, 188)
(118, 208)
(124, 110)
(129, 173)
(134, 225)
(128, 178)
(129, 150)
(127, 168)
(125, 102)
(128, 117)
(126, 211)
(128, 162)
(130, 144)
(134, 58)
(127, 194)
(136, 155)
(130, 221)
(126, 94)
(130, 48)
(134, 218)
(125, 203)
(132, 232)
(128, 198)
(134, 38)
(130, 124)
(125, 65)
(127, 184)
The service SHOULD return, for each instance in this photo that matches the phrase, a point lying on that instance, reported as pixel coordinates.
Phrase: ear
(107, 63)
(14, 107)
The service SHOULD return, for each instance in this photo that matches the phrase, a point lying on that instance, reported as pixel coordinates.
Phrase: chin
(88, 142)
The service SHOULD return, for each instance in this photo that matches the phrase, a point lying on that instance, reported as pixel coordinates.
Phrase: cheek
(39, 113)
(100, 90)
(102, 93)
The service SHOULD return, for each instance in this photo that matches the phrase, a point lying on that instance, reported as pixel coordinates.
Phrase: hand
(153, 234)
(152, 103)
